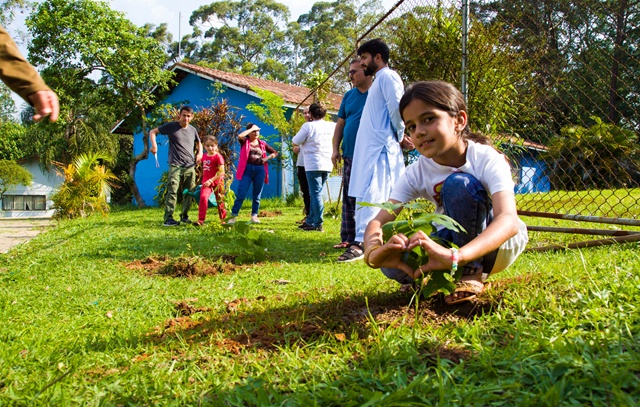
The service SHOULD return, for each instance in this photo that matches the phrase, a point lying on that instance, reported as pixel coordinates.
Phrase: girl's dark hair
(443, 96)
(317, 111)
(249, 125)
(210, 138)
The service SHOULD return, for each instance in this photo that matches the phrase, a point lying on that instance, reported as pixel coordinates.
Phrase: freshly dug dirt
(184, 266)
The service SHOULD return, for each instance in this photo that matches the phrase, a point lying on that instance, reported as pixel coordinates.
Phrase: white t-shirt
(300, 161)
(316, 144)
(424, 179)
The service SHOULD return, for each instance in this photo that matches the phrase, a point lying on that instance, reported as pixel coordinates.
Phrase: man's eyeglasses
(353, 72)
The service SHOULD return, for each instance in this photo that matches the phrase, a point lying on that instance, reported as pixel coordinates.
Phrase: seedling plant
(415, 216)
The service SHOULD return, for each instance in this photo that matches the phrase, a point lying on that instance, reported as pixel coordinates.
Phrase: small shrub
(87, 184)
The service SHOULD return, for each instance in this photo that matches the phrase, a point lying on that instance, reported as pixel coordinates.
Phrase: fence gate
(554, 84)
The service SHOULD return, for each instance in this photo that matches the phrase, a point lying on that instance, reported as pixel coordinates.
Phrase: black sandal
(350, 254)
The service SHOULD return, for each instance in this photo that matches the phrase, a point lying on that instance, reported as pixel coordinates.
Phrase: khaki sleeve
(15, 71)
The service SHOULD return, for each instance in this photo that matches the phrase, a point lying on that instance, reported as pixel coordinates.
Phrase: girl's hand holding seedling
(439, 256)
(390, 254)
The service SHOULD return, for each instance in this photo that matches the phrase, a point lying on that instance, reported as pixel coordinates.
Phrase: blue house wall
(198, 92)
(532, 174)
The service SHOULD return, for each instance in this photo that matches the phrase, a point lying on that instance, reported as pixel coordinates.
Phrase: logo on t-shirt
(437, 189)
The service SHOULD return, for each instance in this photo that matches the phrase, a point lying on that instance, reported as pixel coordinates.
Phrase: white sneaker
(231, 221)
(254, 219)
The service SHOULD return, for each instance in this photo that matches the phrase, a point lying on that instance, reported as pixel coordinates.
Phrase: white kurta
(377, 158)
(381, 129)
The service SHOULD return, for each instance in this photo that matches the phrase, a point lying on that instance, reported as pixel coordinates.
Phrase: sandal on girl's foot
(465, 291)
(341, 245)
(350, 255)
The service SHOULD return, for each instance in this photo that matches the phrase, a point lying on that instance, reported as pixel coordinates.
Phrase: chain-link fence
(554, 83)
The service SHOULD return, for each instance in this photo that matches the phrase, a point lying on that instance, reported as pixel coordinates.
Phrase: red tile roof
(524, 143)
(290, 93)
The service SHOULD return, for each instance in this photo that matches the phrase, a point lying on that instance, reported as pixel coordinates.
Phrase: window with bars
(24, 203)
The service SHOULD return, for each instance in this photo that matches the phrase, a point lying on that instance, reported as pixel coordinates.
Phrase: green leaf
(387, 206)
(438, 281)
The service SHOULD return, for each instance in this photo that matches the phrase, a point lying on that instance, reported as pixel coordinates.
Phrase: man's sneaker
(304, 225)
(254, 219)
(310, 228)
(185, 219)
(171, 222)
(231, 221)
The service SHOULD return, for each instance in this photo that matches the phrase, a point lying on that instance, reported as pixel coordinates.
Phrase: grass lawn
(120, 310)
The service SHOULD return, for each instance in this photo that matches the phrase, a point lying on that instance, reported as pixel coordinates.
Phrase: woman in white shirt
(315, 139)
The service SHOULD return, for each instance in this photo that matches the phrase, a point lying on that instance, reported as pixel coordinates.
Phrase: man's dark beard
(370, 69)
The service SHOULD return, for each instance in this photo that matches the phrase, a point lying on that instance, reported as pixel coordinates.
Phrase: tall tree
(327, 34)
(86, 48)
(583, 55)
(12, 174)
(433, 36)
(243, 36)
(9, 8)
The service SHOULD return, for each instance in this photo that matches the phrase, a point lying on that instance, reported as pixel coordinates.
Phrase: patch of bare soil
(185, 266)
(268, 214)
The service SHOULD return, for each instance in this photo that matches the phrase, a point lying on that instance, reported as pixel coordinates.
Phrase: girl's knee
(397, 275)
(461, 186)
(459, 180)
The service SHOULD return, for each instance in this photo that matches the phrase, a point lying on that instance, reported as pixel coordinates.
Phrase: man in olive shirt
(23, 79)
(183, 140)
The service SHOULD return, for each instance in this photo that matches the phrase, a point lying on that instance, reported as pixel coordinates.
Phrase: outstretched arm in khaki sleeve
(22, 78)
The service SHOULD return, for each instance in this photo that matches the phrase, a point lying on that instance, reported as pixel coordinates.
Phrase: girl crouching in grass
(466, 180)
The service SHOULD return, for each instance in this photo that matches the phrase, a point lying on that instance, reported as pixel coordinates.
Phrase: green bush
(87, 184)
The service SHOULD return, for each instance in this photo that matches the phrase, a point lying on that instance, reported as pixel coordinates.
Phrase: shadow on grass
(247, 324)
(207, 242)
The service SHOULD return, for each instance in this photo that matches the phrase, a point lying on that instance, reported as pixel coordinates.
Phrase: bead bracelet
(454, 260)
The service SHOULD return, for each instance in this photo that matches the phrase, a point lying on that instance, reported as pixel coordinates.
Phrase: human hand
(390, 254)
(439, 256)
(153, 148)
(198, 158)
(296, 149)
(46, 104)
(407, 144)
(335, 158)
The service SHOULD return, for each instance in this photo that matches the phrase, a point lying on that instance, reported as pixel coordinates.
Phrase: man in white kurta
(377, 160)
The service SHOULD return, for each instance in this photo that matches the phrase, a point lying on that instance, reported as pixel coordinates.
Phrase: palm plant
(87, 184)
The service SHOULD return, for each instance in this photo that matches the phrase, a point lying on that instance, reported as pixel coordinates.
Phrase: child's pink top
(210, 166)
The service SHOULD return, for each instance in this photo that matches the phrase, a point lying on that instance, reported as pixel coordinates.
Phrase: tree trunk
(618, 54)
(144, 154)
